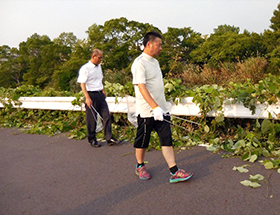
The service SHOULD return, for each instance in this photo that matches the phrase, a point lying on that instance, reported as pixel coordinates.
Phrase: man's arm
(88, 99)
(104, 92)
(147, 96)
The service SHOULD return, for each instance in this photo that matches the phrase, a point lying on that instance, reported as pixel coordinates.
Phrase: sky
(20, 19)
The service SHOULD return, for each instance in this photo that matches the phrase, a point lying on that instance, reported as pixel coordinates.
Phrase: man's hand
(87, 97)
(88, 102)
(104, 93)
(158, 113)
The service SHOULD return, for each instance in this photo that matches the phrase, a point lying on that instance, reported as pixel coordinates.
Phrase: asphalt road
(55, 175)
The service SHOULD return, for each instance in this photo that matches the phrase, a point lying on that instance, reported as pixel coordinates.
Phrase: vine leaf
(266, 126)
(266, 153)
(212, 149)
(220, 118)
(253, 158)
(206, 128)
(169, 87)
(278, 170)
(240, 169)
(250, 183)
(269, 165)
(257, 177)
(276, 153)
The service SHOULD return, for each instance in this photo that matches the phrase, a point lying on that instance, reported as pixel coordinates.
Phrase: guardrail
(127, 104)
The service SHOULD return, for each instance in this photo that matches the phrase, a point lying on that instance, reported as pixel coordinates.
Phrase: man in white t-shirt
(151, 108)
(90, 77)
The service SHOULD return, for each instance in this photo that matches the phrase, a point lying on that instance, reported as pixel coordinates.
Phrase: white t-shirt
(146, 70)
(92, 76)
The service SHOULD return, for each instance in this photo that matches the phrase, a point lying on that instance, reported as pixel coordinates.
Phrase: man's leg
(105, 114)
(168, 154)
(140, 154)
(165, 135)
(164, 131)
(141, 170)
(90, 122)
(141, 142)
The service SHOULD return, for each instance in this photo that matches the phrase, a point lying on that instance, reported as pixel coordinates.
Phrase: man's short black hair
(151, 36)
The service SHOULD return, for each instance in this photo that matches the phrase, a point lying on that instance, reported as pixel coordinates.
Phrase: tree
(178, 43)
(65, 78)
(275, 20)
(31, 53)
(45, 63)
(10, 67)
(66, 40)
(227, 45)
(271, 40)
(223, 29)
(43, 57)
(119, 39)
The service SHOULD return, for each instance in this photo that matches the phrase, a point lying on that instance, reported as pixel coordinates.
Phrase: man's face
(155, 47)
(96, 59)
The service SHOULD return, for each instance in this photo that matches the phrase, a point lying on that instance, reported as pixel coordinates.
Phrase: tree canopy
(275, 19)
(43, 62)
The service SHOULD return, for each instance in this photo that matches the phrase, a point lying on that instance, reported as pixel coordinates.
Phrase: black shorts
(146, 126)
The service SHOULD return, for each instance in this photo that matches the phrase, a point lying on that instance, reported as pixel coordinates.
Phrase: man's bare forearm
(87, 97)
(147, 96)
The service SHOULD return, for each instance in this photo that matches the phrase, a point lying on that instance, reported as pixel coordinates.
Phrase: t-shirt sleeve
(139, 73)
(82, 78)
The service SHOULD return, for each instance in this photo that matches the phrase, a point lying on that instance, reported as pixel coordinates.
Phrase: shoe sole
(180, 179)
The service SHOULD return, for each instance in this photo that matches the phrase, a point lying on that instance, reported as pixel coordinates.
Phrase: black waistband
(100, 91)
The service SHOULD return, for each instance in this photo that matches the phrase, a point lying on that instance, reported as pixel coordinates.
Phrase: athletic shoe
(112, 142)
(95, 144)
(180, 175)
(142, 173)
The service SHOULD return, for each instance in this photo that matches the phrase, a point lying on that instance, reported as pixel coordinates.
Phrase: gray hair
(96, 52)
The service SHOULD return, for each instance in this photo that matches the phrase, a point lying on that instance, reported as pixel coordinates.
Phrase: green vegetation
(240, 137)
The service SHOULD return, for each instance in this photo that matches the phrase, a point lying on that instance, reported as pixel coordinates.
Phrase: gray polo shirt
(146, 70)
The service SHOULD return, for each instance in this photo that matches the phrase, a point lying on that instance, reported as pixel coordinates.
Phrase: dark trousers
(101, 106)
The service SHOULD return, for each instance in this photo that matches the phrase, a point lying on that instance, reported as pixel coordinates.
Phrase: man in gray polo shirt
(151, 108)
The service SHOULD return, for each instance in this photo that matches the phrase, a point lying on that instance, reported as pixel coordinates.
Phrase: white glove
(158, 113)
